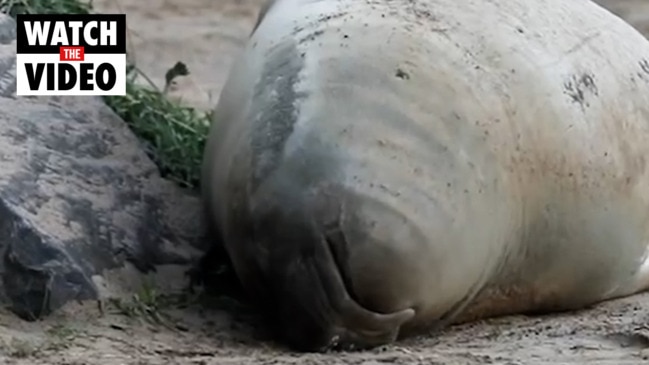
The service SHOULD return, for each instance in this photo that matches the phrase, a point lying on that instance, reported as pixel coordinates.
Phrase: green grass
(174, 134)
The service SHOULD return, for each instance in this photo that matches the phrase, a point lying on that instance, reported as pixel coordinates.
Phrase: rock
(79, 198)
(7, 56)
(7, 30)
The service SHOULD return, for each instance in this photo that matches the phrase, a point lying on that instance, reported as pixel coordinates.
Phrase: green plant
(174, 134)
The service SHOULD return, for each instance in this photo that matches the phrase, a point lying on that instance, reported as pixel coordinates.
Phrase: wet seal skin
(378, 169)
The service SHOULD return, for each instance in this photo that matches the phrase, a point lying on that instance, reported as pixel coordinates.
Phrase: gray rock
(79, 197)
(7, 29)
(7, 56)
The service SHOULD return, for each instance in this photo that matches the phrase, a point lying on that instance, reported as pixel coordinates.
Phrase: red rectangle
(71, 54)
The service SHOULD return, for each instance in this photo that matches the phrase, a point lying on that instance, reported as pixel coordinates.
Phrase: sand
(206, 35)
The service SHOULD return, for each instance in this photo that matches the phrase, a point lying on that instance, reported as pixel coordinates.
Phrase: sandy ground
(203, 34)
(206, 34)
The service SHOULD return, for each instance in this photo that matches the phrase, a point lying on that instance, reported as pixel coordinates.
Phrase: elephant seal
(378, 169)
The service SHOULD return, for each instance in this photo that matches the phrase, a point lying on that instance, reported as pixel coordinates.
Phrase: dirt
(206, 35)
(614, 333)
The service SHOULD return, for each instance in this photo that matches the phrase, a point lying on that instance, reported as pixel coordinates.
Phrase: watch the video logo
(69, 54)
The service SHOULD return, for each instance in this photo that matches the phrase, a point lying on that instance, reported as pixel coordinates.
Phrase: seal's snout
(305, 290)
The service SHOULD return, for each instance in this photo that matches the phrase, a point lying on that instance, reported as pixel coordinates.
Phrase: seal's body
(385, 167)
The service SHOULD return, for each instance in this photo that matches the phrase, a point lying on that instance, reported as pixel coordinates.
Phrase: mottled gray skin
(383, 168)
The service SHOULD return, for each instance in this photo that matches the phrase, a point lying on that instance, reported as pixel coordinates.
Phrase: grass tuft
(174, 134)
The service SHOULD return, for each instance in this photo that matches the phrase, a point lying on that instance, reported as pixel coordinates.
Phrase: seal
(378, 169)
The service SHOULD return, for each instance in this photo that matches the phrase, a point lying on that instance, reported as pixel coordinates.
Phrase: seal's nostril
(338, 246)
(361, 327)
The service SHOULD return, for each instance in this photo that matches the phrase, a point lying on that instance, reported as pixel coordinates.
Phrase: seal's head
(293, 256)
